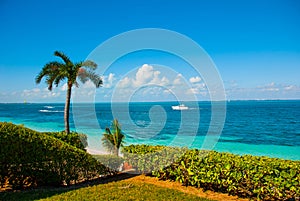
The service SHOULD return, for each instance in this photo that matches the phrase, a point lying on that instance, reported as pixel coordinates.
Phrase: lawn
(123, 190)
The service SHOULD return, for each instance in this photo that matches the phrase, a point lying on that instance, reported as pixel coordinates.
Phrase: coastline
(95, 151)
(260, 128)
(272, 151)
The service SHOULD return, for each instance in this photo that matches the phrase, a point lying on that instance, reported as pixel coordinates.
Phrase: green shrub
(83, 139)
(142, 149)
(113, 162)
(146, 158)
(73, 138)
(246, 176)
(31, 158)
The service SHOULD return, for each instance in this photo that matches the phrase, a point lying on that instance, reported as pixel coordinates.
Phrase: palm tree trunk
(116, 151)
(67, 109)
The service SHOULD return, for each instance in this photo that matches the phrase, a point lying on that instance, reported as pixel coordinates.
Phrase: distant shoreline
(171, 101)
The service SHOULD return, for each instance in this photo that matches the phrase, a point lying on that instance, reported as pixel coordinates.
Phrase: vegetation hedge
(75, 139)
(260, 178)
(145, 158)
(30, 158)
(113, 162)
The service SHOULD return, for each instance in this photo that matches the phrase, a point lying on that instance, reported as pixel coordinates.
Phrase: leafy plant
(260, 178)
(113, 139)
(78, 140)
(113, 162)
(146, 158)
(55, 72)
(30, 158)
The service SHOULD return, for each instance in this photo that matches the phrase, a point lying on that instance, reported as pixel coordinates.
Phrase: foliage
(120, 190)
(83, 139)
(29, 158)
(56, 72)
(145, 158)
(246, 176)
(113, 139)
(142, 149)
(113, 162)
(78, 140)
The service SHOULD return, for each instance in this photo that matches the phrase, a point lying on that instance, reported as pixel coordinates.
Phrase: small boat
(180, 107)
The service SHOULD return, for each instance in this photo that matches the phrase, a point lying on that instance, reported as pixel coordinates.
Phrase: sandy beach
(95, 151)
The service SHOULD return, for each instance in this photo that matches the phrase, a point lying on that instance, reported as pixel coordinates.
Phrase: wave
(195, 108)
(48, 107)
(50, 111)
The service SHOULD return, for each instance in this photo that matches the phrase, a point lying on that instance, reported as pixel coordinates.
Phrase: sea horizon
(154, 101)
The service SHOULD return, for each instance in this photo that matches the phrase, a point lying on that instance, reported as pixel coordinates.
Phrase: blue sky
(254, 44)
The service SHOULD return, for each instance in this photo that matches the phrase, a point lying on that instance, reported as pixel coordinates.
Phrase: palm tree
(55, 72)
(113, 140)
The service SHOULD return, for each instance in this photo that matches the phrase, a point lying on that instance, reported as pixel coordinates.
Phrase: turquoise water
(270, 128)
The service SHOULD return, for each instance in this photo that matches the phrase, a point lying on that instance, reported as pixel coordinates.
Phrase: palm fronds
(55, 72)
(113, 139)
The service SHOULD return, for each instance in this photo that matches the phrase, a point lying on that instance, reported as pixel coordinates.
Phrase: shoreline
(95, 151)
(278, 151)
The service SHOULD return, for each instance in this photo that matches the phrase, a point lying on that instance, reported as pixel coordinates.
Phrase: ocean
(263, 128)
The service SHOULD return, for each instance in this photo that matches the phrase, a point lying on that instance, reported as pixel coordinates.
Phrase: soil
(134, 178)
(190, 190)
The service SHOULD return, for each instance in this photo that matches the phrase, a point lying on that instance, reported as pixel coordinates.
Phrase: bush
(113, 162)
(146, 158)
(83, 139)
(30, 158)
(246, 176)
(73, 138)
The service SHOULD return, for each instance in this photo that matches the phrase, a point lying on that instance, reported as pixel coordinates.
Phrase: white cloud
(88, 85)
(31, 92)
(291, 88)
(111, 77)
(145, 75)
(197, 91)
(200, 86)
(178, 80)
(149, 82)
(124, 83)
(167, 91)
(193, 91)
(270, 87)
(195, 79)
(38, 94)
(108, 81)
(271, 90)
(197, 87)
(154, 91)
(272, 84)
(146, 81)
(164, 81)
(157, 82)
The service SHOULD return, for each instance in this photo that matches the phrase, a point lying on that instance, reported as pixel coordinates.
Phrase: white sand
(95, 151)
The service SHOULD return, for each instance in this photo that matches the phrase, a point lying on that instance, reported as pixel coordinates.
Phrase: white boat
(180, 107)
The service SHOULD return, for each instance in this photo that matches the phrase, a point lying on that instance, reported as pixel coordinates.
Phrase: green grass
(121, 191)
